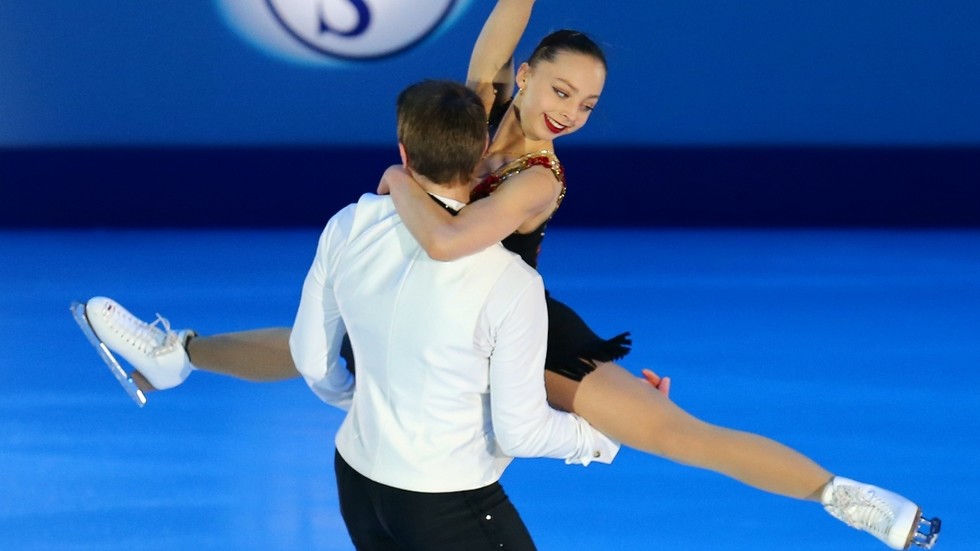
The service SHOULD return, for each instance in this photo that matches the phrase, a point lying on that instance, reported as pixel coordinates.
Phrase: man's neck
(458, 191)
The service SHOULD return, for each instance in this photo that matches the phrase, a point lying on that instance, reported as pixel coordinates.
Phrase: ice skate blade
(926, 533)
(78, 311)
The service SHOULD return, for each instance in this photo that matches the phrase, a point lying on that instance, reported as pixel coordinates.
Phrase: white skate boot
(158, 353)
(887, 516)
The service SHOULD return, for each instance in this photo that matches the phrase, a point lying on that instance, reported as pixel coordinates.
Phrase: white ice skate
(157, 353)
(889, 517)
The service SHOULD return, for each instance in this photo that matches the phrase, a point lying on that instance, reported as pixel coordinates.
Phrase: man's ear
(403, 154)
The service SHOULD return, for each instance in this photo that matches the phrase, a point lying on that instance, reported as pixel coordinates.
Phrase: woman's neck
(510, 142)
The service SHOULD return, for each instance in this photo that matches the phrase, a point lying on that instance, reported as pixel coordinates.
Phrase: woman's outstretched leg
(163, 358)
(636, 414)
(259, 355)
(642, 417)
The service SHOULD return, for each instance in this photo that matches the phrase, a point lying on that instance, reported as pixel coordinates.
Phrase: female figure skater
(523, 184)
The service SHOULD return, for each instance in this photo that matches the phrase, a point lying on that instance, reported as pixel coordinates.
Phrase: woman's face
(558, 96)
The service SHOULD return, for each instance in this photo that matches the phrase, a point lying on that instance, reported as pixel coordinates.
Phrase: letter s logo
(363, 20)
(337, 29)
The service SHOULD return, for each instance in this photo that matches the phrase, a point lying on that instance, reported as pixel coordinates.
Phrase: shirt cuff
(600, 449)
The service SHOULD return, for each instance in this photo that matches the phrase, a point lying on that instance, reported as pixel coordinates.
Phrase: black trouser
(382, 518)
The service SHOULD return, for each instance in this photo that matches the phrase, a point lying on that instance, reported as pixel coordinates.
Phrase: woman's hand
(395, 175)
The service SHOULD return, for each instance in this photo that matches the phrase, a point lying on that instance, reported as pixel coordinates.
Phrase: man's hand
(656, 381)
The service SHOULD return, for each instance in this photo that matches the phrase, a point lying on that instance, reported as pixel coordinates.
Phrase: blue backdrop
(836, 95)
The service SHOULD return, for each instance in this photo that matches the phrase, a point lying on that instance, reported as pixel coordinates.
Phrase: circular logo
(338, 29)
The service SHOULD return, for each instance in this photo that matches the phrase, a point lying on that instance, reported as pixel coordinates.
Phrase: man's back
(424, 334)
(423, 354)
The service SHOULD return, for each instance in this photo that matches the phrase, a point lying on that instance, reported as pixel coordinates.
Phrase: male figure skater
(450, 356)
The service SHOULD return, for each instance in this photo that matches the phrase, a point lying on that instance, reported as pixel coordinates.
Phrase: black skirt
(574, 348)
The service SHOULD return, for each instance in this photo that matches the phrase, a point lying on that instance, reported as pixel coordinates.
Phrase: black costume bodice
(528, 245)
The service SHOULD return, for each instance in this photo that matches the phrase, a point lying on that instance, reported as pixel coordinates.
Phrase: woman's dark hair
(566, 40)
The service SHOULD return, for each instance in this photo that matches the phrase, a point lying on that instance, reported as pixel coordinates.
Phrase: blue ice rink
(859, 348)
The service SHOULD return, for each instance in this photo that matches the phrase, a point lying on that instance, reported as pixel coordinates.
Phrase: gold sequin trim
(523, 163)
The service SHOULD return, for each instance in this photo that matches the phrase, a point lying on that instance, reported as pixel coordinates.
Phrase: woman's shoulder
(534, 166)
(543, 158)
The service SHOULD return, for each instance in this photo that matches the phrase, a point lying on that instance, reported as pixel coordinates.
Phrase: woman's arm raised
(491, 63)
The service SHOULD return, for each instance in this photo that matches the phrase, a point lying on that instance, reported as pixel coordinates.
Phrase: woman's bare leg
(259, 355)
(641, 417)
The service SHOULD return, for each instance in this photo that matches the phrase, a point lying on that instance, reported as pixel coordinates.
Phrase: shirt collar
(451, 205)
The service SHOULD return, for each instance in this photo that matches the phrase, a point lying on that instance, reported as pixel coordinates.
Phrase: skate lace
(148, 337)
(170, 338)
(861, 508)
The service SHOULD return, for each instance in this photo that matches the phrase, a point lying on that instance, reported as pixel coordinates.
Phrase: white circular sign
(338, 29)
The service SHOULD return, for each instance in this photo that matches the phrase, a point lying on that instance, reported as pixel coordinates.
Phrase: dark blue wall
(620, 186)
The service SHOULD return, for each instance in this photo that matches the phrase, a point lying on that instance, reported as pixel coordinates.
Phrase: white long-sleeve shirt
(449, 357)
